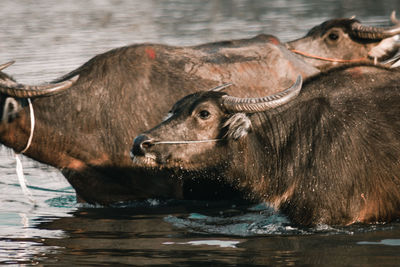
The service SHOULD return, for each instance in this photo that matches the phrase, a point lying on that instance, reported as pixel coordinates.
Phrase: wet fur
(331, 156)
(339, 148)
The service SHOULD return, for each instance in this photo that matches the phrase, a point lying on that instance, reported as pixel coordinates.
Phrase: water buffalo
(85, 131)
(339, 41)
(324, 153)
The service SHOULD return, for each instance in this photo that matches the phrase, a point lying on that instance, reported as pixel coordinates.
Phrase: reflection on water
(20, 241)
(142, 234)
(386, 242)
(49, 40)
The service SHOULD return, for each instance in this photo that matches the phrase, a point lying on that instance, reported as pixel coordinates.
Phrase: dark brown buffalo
(324, 154)
(85, 131)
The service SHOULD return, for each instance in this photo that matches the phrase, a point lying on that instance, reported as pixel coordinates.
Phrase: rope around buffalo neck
(19, 168)
(327, 58)
(32, 116)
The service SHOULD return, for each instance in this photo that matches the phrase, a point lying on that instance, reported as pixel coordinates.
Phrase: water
(48, 39)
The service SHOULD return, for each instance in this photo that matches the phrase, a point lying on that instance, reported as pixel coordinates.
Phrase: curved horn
(6, 65)
(251, 105)
(220, 87)
(369, 32)
(393, 18)
(14, 89)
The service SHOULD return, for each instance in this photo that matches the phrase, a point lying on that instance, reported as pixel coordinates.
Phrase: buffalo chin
(145, 161)
(174, 165)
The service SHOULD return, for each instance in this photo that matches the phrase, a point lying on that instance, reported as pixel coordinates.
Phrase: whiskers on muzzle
(147, 159)
(142, 151)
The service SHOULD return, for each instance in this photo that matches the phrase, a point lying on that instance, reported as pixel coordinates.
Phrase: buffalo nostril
(147, 144)
(140, 144)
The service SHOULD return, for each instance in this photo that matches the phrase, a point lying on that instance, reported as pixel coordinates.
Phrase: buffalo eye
(333, 36)
(204, 114)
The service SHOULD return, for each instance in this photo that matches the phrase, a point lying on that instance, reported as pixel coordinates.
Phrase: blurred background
(49, 38)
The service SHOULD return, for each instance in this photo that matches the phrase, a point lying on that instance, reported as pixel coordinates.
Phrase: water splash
(65, 201)
(256, 220)
(219, 243)
(386, 242)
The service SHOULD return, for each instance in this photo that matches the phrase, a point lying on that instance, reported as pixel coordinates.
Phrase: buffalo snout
(140, 145)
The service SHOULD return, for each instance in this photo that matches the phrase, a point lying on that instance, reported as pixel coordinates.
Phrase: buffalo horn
(220, 87)
(393, 18)
(251, 105)
(369, 32)
(6, 65)
(14, 89)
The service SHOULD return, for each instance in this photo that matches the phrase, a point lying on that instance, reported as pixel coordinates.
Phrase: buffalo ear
(237, 126)
(10, 110)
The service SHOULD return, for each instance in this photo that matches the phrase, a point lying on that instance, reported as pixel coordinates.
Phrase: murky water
(49, 39)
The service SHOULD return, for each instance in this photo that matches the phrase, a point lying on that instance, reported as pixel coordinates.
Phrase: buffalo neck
(273, 155)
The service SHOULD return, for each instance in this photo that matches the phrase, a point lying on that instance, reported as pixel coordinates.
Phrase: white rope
(186, 142)
(22, 180)
(32, 127)
(19, 169)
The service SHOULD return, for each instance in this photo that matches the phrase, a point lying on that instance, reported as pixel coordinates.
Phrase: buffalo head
(346, 40)
(13, 97)
(196, 130)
